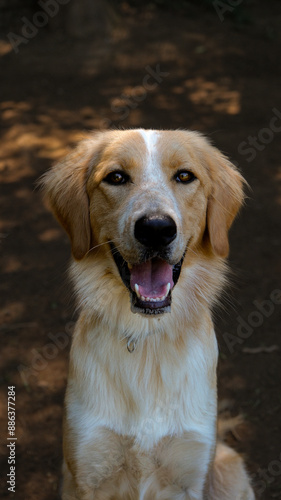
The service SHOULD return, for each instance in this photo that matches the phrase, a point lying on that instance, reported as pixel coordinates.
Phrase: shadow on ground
(161, 70)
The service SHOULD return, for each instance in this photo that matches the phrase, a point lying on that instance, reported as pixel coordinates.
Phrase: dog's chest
(146, 400)
(144, 418)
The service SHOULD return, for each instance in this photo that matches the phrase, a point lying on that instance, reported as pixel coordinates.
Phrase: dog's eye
(116, 178)
(184, 176)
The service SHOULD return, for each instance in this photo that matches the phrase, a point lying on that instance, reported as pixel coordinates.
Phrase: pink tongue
(152, 277)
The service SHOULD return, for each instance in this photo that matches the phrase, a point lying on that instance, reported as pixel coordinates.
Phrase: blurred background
(70, 66)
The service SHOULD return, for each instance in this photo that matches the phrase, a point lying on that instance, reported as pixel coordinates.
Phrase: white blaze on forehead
(154, 176)
(150, 138)
(153, 168)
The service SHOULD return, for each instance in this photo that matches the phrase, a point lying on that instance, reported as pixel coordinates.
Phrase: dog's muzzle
(152, 280)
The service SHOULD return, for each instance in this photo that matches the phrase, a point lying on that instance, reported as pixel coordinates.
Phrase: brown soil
(222, 78)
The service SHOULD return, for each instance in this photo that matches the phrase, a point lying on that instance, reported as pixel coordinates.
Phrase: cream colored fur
(141, 425)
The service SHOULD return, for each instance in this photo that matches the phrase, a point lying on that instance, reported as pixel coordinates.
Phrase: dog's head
(145, 198)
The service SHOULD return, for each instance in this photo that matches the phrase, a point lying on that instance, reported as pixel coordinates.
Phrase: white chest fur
(160, 389)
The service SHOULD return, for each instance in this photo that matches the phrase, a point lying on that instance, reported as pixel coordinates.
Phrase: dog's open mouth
(150, 283)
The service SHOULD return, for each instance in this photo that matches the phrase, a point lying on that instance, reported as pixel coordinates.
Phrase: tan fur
(142, 425)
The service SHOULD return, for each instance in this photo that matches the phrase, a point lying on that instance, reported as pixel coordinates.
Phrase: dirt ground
(160, 69)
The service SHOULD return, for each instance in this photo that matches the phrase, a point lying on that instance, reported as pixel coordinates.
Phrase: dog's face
(149, 196)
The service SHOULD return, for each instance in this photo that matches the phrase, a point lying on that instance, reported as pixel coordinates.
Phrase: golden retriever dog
(147, 213)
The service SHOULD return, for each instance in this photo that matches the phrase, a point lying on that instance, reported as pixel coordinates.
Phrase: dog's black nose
(155, 231)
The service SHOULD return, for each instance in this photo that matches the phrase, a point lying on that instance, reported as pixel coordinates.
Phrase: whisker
(191, 250)
(115, 249)
(100, 245)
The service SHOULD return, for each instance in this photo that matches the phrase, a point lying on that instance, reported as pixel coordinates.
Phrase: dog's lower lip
(150, 307)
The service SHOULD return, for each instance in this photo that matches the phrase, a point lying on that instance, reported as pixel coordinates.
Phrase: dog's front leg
(99, 465)
(75, 488)
(182, 467)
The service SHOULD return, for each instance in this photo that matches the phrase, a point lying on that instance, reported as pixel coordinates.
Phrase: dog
(147, 213)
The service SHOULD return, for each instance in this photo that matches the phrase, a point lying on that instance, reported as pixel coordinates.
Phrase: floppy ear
(65, 189)
(224, 202)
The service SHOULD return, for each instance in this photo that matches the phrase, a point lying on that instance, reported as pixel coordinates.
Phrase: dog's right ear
(65, 189)
(224, 202)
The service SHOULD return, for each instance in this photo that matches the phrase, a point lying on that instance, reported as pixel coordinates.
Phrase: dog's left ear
(224, 202)
(65, 189)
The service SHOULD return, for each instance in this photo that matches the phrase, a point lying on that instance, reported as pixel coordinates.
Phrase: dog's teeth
(129, 266)
(152, 299)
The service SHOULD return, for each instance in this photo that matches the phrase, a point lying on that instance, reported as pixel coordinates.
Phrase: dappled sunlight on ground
(5, 48)
(218, 96)
(159, 70)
